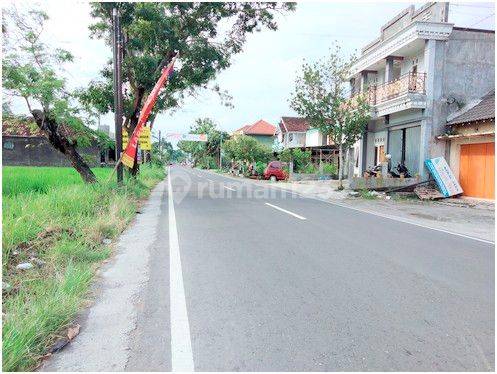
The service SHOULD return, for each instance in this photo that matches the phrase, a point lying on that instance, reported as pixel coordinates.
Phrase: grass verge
(54, 221)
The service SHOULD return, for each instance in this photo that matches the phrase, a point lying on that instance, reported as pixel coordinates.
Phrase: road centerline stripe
(181, 344)
(286, 211)
(229, 188)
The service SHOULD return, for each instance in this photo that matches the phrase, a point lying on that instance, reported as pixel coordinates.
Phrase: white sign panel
(441, 172)
(189, 137)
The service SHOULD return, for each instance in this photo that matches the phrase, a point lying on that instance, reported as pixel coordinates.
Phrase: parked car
(274, 171)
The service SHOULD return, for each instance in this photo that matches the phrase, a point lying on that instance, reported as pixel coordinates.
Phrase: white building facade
(418, 71)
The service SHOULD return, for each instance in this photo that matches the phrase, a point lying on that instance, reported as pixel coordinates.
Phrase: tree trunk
(340, 166)
(63, 145)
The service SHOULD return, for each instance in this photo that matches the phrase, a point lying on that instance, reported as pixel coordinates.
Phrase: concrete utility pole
(160, 148)
(118, 100)
(221, 152)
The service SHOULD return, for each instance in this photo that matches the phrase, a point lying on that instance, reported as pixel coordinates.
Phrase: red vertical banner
(128, 157)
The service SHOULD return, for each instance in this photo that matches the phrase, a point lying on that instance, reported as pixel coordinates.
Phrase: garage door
(476, 170)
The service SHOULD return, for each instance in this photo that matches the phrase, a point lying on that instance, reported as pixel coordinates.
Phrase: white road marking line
(286, 211)
(393, 218)
(181, 343)
(210, 180)
(229, 188)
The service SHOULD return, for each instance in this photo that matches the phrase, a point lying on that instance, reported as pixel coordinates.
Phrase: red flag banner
(128, 157)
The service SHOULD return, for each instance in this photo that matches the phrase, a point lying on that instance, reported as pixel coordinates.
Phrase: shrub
(260, 167)
(330, 169)
(309, 169)
(301, 159)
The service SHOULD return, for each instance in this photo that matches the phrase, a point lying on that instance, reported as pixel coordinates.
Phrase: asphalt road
(243, 277)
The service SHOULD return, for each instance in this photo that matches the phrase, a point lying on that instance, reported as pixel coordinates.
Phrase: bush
(330, 169)
(285, 155)
(308, 169)
(260, 167)
(301, 159)
(207, 162)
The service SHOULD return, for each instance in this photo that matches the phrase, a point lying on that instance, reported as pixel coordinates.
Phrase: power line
(473, 6)
(483, 19)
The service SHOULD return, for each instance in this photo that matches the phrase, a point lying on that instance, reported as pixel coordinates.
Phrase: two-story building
(291, 132)
(419, 70)
(295, 132)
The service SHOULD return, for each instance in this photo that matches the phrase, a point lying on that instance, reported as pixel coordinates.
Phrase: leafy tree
(154, 31)
(32, 71)
(206, 151)
(320, 97)
(246, 149)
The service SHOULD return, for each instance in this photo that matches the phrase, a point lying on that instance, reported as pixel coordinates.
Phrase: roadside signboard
(144, 139)
(445, 179)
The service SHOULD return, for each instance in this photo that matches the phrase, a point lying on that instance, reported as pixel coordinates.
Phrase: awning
(471, 135)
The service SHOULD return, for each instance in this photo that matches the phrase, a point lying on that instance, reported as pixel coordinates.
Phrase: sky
(261, 77)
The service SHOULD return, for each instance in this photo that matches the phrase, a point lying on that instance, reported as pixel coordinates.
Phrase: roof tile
(484, 109)
(294, 124)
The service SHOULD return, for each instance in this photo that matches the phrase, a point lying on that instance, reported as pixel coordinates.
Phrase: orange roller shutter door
(477, 170)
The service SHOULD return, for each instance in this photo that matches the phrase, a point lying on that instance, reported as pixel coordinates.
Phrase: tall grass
(22, 179)
(48, 213)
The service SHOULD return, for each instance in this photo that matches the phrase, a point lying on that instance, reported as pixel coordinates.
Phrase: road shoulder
(103, 343)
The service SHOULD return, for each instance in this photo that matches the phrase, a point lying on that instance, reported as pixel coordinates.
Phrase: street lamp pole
(118, 108)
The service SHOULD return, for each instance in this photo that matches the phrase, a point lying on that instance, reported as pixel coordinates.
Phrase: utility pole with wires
(118, 95)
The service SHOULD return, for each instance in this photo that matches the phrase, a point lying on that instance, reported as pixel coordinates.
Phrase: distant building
(24, 144)
(417, 72)
(470, 138)
(292, 132)
(295, 132)
(262, 131)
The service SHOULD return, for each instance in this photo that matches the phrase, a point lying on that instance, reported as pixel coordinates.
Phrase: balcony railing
(407, 83)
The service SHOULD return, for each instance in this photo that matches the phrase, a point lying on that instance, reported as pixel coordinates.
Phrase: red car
(274, 171)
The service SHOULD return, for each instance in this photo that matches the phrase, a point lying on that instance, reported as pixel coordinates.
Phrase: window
(8, 145)
(403, 146)
(290, 137)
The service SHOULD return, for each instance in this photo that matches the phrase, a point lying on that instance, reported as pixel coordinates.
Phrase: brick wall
(37, 151)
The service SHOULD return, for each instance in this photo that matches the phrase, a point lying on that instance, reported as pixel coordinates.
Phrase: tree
(209, 151)
(33, 72)
(154, 31)
(244, 148)
(320, 97)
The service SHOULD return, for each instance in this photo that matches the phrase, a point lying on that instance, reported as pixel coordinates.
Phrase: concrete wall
(314, 138)
(37, 151)
(264, 139)
(469, 66)
(298, 139)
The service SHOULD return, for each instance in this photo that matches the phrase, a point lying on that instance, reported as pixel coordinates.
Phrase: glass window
(403, 146)
(412, 135)
(395, 140)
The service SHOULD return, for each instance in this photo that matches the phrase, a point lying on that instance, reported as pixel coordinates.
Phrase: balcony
(406, 92)
(407, 83)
